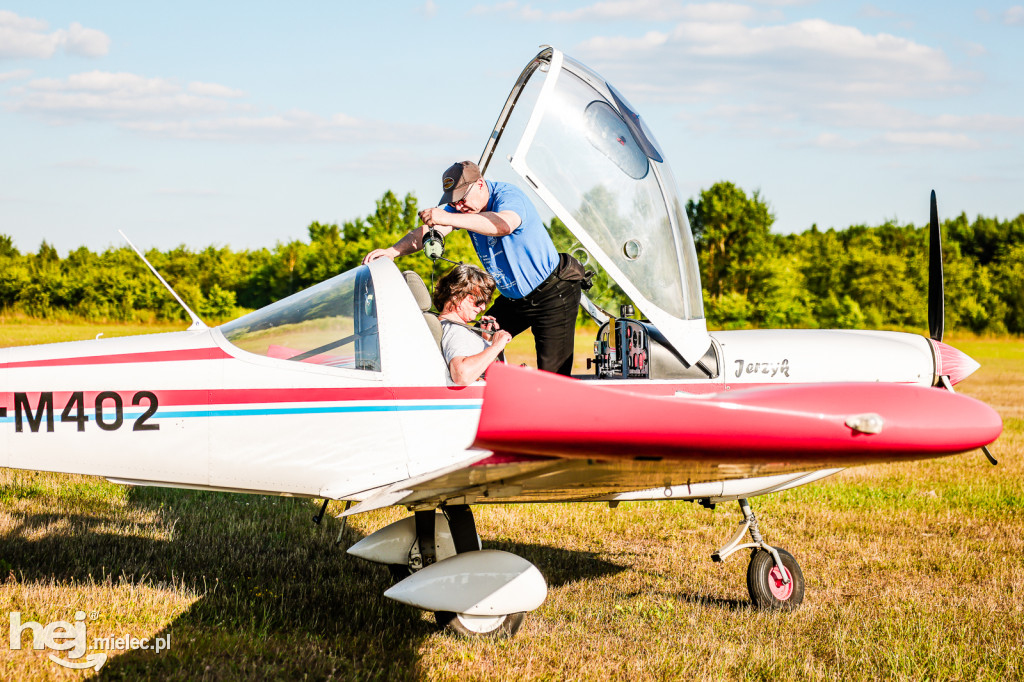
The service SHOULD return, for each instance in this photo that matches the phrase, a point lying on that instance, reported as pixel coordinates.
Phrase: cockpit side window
(333, 323)
(612, 137)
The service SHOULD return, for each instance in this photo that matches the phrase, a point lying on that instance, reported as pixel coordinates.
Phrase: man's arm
(410, 243)
(487, 223)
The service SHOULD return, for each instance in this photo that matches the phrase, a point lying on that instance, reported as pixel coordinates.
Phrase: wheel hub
(780, 583)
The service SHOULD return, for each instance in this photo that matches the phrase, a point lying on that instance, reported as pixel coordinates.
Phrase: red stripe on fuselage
(151, 356)
(249, 396)
(243, 396)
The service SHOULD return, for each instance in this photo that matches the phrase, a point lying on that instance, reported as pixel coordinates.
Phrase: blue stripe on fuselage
(264, 411)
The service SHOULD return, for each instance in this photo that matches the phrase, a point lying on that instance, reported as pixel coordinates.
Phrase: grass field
(913, 571)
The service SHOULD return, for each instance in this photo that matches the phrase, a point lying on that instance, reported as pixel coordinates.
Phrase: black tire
(765, 585)
(502, 626)
(399, 572)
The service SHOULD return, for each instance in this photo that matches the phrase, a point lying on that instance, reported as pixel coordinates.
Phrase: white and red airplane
(340, 391)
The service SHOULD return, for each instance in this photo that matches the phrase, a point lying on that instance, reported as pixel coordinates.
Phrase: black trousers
(550, 310)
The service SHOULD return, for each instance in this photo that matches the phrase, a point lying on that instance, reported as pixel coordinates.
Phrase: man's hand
(487, 223)
(390, 252)
(431, 217)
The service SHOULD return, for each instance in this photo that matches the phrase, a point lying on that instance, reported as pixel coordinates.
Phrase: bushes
(858, 277)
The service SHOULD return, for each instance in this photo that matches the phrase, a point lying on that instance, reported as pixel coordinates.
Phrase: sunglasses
(462, 201)
(477, 300)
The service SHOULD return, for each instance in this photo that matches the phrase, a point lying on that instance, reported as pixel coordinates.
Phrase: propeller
(936, 296)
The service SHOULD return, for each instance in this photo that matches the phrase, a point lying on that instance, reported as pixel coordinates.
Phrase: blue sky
(240, 123)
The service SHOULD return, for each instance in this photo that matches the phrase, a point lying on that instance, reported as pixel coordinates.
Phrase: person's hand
(500, 339)
(380, 253)
(488, 325)
(431, 216)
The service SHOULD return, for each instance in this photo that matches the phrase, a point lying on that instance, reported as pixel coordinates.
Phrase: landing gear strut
(438, 565)
(464, 537)
(774, 579)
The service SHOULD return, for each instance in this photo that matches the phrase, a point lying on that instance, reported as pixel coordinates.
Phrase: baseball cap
(456, 181)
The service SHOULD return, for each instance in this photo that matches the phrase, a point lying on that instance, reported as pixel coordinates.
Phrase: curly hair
(461, 281)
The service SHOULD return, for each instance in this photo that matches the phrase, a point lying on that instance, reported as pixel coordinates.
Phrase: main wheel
(480, 626)
(765, 581)
(399, 572)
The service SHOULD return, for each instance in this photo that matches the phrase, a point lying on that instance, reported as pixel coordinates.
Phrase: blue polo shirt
(519, 261)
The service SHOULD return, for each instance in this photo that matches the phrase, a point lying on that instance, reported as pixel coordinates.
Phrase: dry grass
(19, 330)
(913, 572)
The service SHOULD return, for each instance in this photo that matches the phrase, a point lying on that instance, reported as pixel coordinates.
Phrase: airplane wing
(546, 438)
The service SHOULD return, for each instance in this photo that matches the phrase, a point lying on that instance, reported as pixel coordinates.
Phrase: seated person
(461, 295)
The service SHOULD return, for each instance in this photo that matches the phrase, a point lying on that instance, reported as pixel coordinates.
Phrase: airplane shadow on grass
(276, 598)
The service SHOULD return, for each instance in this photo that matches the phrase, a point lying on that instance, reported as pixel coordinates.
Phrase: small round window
(631, 249)
(610, 135)
(580, 254)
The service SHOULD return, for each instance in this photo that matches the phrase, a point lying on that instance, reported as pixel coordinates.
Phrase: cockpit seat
(422, 296)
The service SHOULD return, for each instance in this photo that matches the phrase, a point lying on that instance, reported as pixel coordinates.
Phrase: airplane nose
(953, 363)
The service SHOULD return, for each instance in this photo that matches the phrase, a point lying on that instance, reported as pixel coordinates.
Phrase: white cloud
(882, 116)
(908, 140)
(85, 42)
(870, 11)
(834, 141)
(654, 10)
(24, 37)
(931, 140)
(627, 10)
(11, 20)
(93, 166)
(874, 12)
(188, 193)
(292, 126)
(15, 75)
(1014, 16)
(974, 49)
(982, 123)
(508, 6)
(198, 111)
(614, 44)
(27, 38)
(214, 90)
(813, 82)
(383, 160)
(429, 9)
(102, 94)
(814, 58)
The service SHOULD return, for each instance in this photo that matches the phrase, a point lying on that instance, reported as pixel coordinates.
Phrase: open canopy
(587, 153)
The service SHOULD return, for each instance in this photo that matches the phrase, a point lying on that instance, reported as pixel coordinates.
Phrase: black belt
(553, 277)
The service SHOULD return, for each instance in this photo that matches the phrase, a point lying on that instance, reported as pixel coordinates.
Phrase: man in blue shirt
(540, 288)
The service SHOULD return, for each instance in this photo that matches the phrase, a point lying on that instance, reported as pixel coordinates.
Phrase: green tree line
(861, 276)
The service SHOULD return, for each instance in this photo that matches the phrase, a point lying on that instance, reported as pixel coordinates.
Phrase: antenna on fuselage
(196, 322)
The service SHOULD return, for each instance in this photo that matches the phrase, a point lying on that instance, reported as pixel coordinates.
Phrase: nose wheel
(773, 588)
(465, 539)
(774, 579)
(480, 626)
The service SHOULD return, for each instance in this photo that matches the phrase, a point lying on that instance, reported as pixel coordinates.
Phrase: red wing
(557, 439)
(538, 413)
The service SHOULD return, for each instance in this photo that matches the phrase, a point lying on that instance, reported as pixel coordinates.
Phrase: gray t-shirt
(458, 342)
